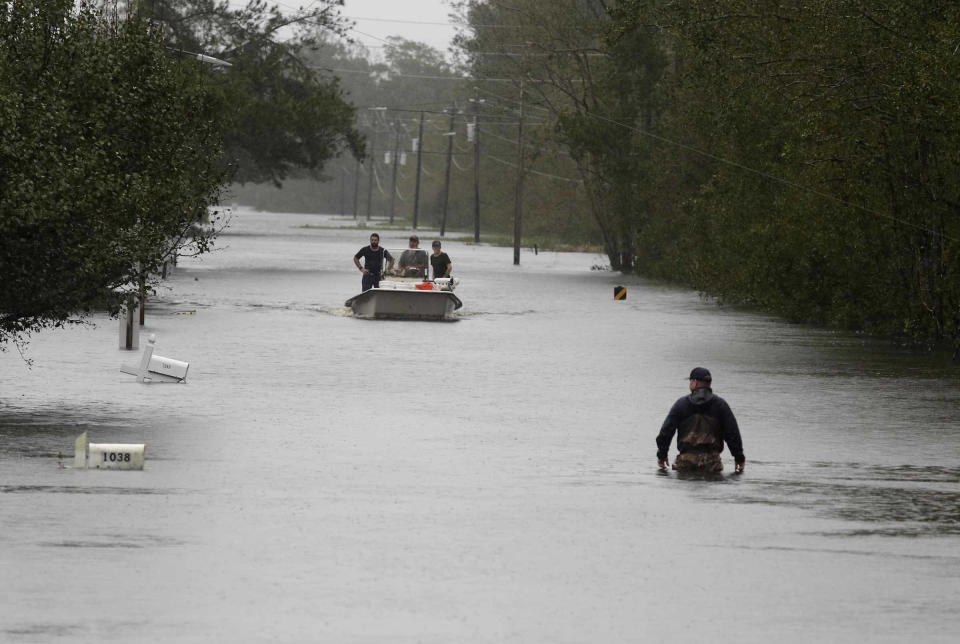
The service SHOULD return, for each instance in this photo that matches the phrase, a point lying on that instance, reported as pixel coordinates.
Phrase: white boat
(407, 298)
(405, 303)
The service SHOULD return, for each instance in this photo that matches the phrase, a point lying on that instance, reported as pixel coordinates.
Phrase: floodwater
(325, 478)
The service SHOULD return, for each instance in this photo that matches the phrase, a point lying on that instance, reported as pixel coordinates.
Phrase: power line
(402, 22)
(363, 33)
(542, 174)
(408, 106)
(462, 79)
(291, 8)
(538, 148)
(376, 176)
(438, 24)
(458, 165)
(381, 150)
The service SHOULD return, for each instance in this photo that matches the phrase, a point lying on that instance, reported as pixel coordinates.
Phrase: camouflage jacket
(703, 422)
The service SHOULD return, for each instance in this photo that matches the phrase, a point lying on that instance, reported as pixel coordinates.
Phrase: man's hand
(663, 464)
(739, 467)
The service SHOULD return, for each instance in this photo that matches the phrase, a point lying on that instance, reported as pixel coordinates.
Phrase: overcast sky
(421, 20)
(425, 21)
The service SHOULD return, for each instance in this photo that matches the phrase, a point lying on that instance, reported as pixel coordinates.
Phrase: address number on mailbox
(116, 457)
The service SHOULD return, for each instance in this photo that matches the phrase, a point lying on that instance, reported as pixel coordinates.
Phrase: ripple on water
(895, 501)
(43, 631)
(71, 489)
(115, 541)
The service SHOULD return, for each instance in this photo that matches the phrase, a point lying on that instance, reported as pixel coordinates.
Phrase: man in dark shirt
(703, 423)
(440, 262)
(413, 261)
(373, 258)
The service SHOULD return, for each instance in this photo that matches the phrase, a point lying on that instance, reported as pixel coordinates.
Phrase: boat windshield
(409, 262)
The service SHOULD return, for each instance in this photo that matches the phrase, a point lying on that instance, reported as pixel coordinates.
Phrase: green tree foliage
(585, 89)
(407, 78)
(819, 158)
(799, 156)
(110, 150)
(286, 115)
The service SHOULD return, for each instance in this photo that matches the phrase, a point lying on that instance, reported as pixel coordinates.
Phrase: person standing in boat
(703, 422)
(413, 261)
(373, 257)
(440, 262)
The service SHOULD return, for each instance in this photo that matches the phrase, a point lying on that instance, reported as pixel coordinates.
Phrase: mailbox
(107, 456)
(168, 367)
(115, 456)
(157, 368)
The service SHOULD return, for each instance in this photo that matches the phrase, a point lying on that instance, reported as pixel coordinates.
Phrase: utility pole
(373, 157)
(476, 165)
(343, 190)
(446, 181)
(143, 299)
(518, 203)
(395, 160)
(370, 180)
(416, 192)
(356, 187)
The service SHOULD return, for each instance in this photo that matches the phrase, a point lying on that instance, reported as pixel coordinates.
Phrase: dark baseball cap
(436, 243)
(699, 373)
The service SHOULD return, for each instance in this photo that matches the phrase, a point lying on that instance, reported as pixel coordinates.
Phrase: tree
(110, 151)
(286, 115)
(820, 158)
(593, 90)
(409, 78)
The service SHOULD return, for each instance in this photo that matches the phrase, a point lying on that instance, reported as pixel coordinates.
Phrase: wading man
(373, 257)
(703, 422)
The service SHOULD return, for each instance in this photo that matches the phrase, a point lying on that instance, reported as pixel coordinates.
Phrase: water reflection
(114, 541)
(513, 496)
(690, 475)
(875, 500)
(48, 433)
(82, 489)
(843, 551)
(42, 630)
(897, 501)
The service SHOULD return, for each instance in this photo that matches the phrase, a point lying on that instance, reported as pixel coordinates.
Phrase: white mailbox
(157, 368)
(107, 456)
(168, 367)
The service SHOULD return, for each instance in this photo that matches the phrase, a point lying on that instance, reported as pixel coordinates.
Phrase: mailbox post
(129, 331)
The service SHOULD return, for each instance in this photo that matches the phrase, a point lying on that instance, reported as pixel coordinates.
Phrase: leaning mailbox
(168, 367)
(107, 456)
(155, 368)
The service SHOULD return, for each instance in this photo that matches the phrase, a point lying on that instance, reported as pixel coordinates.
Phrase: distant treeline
(797, 156)
(411, 101)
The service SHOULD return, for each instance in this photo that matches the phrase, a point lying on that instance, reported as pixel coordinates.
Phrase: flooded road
(324, 478)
